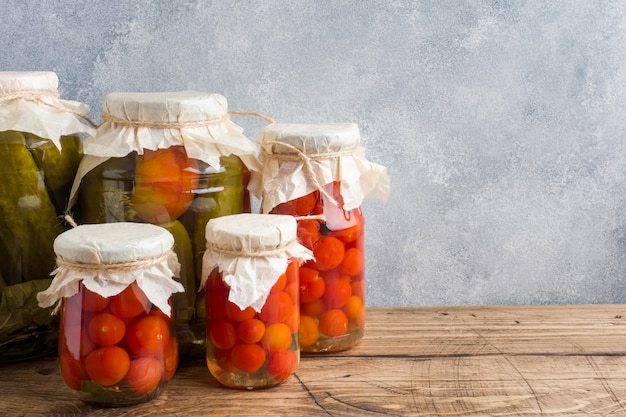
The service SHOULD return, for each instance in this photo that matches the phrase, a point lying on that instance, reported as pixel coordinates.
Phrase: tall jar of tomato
(250, 276)
(319, 174)
(40, 149)
(171, 159)
(117, 341)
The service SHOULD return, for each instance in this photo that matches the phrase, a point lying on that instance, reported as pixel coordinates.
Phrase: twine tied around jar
(116, 266)
(251, 254)
(38, 97)
(107, 117)
(306, 159)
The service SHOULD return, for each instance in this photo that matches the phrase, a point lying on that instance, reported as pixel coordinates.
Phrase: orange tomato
(277, 337)
(282, 364)
(234, 313)
(129, 303)
(278, 307)
(248, 357)
(148, 336)
(352, 263)
(333, 323)
(107, 365)
(312, 286)
(328, 253)
(308, 232)
(223, 334)
(337, 294)
(251, 331)
(144, 374)
(309, 333)
(165, 180)
(106, 330)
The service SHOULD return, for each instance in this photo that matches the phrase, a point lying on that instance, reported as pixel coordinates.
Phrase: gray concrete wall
(501, 122)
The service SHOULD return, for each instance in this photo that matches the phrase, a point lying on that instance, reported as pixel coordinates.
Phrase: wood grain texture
(445, 361)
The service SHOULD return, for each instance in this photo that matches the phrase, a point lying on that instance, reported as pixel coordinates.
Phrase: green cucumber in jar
(106, 191)
(58, 166)
(28, 219)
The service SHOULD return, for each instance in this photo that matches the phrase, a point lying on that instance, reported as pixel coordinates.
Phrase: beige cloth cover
(251, 251)
(109, 257)
(298, 159)
(137, 121)
(29, 102)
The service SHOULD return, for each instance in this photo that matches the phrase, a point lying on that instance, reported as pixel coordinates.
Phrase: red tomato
(148, 336)
(164, 183)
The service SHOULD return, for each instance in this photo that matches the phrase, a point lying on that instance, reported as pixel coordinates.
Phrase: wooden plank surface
(444, 361)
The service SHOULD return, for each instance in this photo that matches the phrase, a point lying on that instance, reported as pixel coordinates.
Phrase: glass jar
(117, 343)
(319, 174)
(251, 284)
(40, 149)
(174, 160)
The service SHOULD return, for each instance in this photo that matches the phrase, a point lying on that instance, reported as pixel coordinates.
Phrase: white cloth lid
(199, 122)
(203, 127)
(109, 257)
(11, 81)
(251, 251)
(29, 102)
(334, 155)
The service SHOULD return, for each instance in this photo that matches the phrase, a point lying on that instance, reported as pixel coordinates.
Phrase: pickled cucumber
(106, 192)
(184, 303)
(222, 194)
(58, 168)
(28, 219)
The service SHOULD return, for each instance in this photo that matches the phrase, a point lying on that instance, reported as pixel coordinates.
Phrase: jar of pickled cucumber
(117, 343)
(171, 159)
(318, 173)
(40, 149)
(250, 276)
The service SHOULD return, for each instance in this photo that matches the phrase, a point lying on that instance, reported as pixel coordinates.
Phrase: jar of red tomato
(319, 174)
(250, 276)
(117, 341)
(171, 159)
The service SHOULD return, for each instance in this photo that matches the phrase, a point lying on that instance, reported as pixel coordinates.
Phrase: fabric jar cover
(251, 251)
(29, 102)
(109, 257)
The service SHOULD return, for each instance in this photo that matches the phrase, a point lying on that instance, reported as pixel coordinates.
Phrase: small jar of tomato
(318, 173)
(117, 341)
(250, 276)
(171, 159)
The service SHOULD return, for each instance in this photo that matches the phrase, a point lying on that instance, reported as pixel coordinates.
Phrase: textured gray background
(501, 122)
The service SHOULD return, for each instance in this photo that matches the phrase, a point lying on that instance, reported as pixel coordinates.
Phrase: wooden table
(444, 361)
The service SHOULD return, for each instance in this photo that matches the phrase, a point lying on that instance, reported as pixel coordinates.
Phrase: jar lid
(309, 138)
(29, 102)
(195, 108)
(28, 80)
(248, 233)
(106, 258)
(297, 159)
(110, 243)
(197, 121)
(251, 251)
